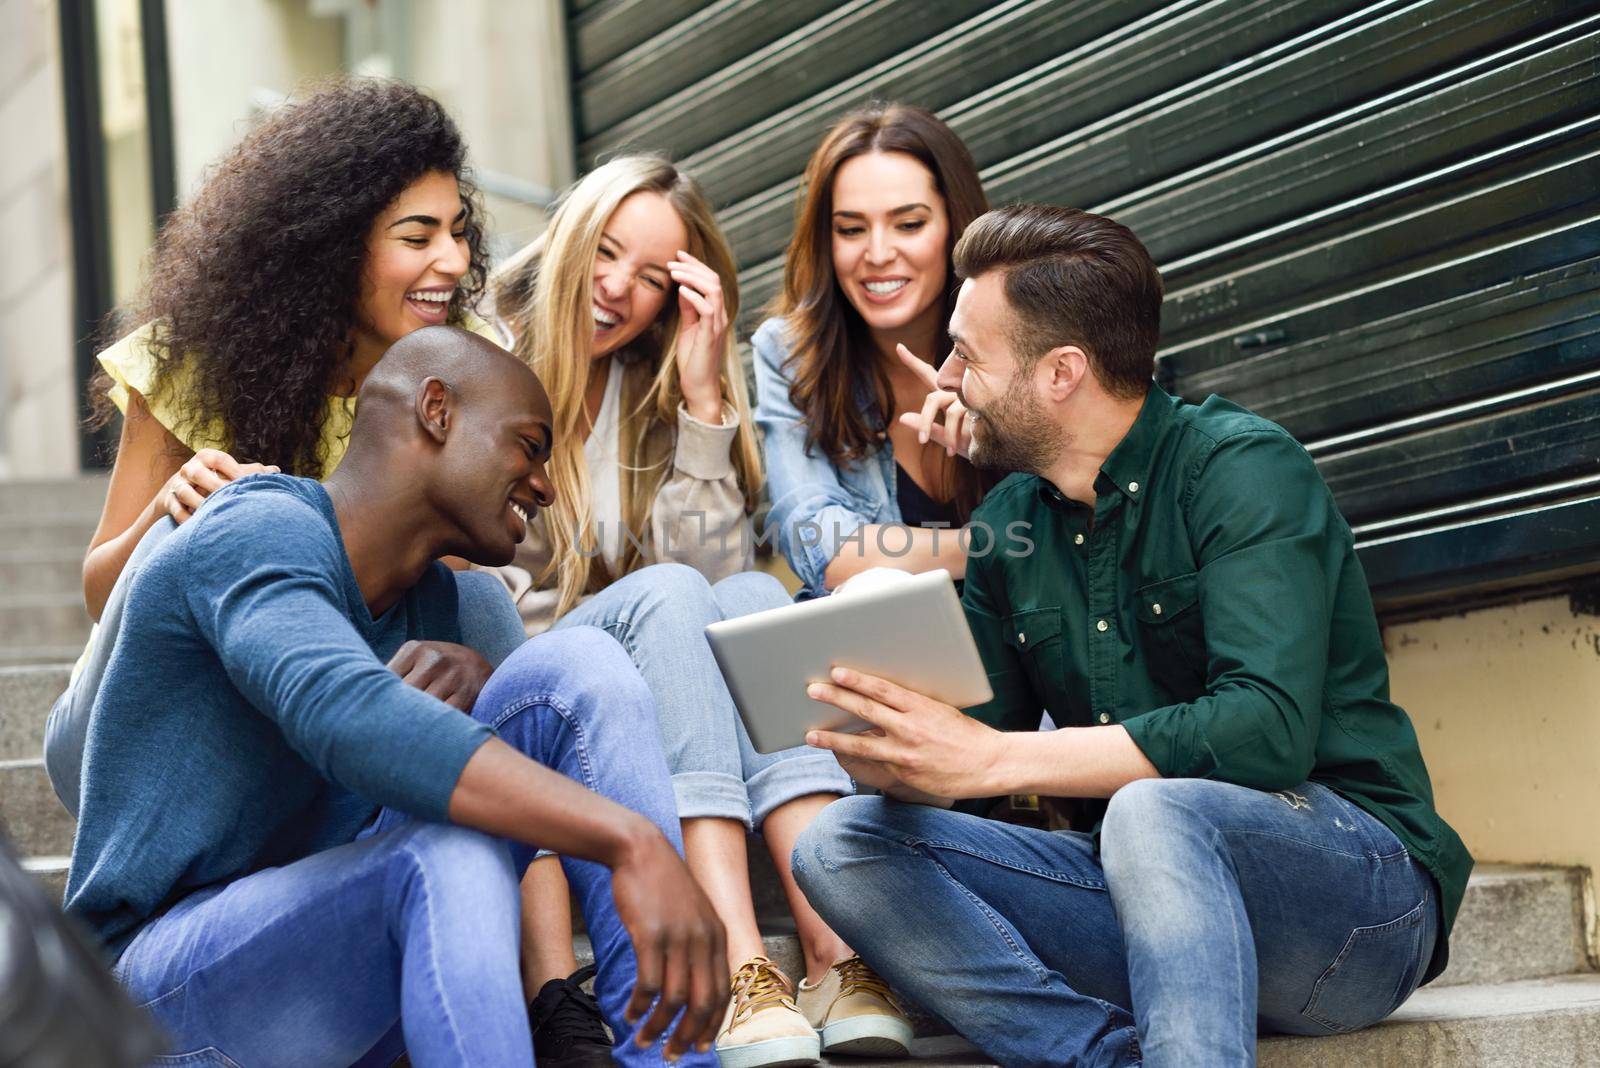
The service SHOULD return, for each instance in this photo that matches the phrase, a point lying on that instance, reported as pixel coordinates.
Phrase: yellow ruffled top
(131, 363)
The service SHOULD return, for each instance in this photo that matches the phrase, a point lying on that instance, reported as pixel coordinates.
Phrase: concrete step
(58, 570)
(1517, 923)
(43, 619)
(39, 655)
(22, 498)
(31, 815)
(51, 871)
(1551, 1023)
(55, 530)
(26, 694)
(939, 1050)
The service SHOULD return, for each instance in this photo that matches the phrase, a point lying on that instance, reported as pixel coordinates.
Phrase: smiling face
(416, 254)
(499, 445)
(890, 239)
(1011, 429)
(631, 284)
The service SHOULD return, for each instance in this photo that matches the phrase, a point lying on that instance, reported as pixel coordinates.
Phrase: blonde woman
(623, 308)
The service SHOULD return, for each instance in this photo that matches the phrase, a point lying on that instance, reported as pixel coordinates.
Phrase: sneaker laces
(855, 977)
(757, 985)
(565, 1013)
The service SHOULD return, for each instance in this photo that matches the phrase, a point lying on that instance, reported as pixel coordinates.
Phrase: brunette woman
(851, 351)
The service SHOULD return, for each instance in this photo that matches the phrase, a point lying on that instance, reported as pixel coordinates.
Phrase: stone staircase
(1520, 989)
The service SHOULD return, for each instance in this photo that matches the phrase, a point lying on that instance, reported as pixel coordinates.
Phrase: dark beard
(1016, 435)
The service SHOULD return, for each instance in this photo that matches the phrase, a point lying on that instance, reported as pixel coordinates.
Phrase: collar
(1127, 469)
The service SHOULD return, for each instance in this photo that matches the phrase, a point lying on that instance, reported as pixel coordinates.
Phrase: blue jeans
(1210, 911)
(413, 927)
(659, 614)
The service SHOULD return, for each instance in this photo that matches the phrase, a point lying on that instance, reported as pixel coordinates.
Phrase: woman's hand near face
(702, 334)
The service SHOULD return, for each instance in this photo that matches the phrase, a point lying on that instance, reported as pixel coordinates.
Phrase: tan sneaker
(856, 1013)
(763, 1028)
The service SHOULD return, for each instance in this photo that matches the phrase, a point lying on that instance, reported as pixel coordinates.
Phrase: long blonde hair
(545, 294)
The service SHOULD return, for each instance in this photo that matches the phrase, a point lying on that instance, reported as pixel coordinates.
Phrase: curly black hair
(255, 283)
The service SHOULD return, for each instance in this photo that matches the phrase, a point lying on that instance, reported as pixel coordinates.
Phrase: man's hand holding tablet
(919, 750)
(906, 630)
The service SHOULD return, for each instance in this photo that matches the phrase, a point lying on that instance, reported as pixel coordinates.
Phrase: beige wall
(499, 67)
(501, 70)
(224, 55)
(1506, 702)
(38, 434)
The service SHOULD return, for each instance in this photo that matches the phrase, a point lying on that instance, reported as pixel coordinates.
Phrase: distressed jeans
(1210, 912)
(659, 614)
(408, 936)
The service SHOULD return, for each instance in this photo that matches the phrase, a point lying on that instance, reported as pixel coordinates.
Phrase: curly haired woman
(338, 226)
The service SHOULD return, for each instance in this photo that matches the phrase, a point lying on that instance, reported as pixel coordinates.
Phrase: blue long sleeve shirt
(247, 718)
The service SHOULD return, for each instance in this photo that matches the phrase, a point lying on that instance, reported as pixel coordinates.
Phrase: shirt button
(1102, 626)
(1105, 717)
(1077, 539)
(1156, 608)
(1133, 487)
(1022, 639)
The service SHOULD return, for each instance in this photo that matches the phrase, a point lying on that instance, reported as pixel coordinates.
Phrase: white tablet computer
(909, 629)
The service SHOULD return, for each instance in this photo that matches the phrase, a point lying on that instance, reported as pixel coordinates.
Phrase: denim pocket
(1375, 971)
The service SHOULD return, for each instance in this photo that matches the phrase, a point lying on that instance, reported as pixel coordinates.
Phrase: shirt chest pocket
(1036, 636)
(1173, 635)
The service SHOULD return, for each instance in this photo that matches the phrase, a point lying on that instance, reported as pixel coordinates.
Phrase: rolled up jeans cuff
(809, 771)
(711, 795)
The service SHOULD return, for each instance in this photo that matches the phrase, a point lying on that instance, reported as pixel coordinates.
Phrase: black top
(917, 509)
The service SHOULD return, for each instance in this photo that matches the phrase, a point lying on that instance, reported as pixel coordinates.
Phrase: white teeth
(522, 515)
(431, 297)
(605, 318)
(885, 288)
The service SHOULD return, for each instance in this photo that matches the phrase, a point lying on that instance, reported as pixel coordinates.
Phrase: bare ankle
(820, 958)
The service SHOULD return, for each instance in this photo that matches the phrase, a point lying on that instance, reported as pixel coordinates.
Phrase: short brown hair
(1072, 278)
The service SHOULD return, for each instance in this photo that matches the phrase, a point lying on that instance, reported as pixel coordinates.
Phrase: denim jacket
(816, 505)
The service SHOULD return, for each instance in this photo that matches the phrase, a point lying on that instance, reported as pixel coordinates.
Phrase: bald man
(295, 855)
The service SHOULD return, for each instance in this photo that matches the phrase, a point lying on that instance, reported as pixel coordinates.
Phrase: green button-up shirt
(1211, 602)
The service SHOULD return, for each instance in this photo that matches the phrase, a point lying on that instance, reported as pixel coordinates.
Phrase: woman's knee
(747, 592)
(673, 583)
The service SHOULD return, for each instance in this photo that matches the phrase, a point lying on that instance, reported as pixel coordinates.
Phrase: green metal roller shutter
(1378, 222)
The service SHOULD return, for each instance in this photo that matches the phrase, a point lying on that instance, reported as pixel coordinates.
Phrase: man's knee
(450, 862)
(584, 675)
(1146, 818)
(581, 665)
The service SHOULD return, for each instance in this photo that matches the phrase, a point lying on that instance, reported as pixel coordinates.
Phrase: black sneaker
(567, 1029)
